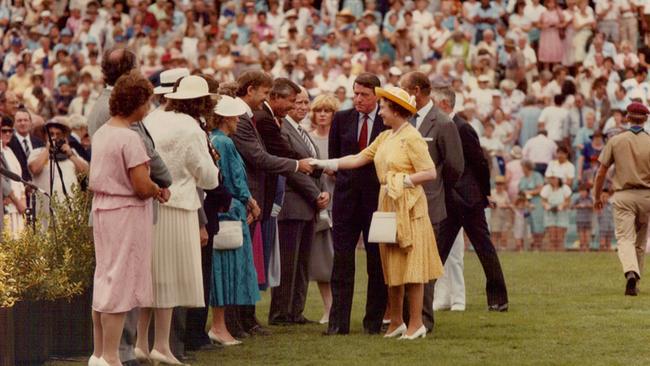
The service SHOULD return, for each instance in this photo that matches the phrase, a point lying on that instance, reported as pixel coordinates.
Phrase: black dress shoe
(372, 331)
(332, 332)
(258, 330)
(302, 320)
(501, 308)
(630, 286)
(131, 363)
(281, 320)
(185, 358)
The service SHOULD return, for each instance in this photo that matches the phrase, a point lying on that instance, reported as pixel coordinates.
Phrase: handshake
(308, 165)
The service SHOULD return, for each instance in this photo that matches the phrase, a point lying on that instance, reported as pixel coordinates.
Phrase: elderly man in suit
(253, 87)
(115, 63)
(303, 198)
(355, 199)
(466, 201)
(446, 152)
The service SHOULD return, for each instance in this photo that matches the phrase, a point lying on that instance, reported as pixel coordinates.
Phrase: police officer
(630, 152)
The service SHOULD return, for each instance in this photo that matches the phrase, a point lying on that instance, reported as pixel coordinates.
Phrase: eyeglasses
(7, 130)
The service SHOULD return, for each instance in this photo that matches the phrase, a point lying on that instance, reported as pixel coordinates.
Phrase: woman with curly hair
(176, 264)
(122, 217)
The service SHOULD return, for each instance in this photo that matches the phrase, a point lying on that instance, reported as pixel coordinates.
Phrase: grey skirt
(321, 258)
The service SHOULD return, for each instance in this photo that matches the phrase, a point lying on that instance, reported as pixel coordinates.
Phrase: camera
(56, 150)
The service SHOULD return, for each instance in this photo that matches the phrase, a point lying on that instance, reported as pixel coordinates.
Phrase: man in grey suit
(303, 198)
(253, 88)
(446, 152)
(115, 63)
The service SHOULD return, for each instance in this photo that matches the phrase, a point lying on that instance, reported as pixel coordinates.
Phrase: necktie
(414, 120)
(305, 138)
(580, 116)
(26, 147)
(363, 135)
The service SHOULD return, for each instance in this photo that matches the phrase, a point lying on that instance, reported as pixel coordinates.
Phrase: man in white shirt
(562, 167)
(555, 120)
(540, 150)
(608, 14)
(22, 143)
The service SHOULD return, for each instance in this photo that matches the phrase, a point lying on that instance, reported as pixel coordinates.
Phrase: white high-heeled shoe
(140, 355)
(93, 361)
(158, 358)
(397, 332)
(421, 332)
(213, 337)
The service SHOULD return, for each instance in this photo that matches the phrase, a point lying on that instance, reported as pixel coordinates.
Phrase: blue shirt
(529, 117)
(327, 52)
(489, 12)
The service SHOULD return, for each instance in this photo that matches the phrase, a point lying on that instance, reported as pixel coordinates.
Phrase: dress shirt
(371, 122)
(539, 149)
(423, 113)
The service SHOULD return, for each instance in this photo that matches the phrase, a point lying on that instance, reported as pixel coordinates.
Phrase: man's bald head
(117, 62)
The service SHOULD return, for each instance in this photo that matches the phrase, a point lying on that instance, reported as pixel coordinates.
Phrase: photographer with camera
(64, 163)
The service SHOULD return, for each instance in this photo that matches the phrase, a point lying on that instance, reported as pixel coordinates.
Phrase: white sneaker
(458, 307)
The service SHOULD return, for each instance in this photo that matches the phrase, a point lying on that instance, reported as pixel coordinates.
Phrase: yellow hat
(399, 96)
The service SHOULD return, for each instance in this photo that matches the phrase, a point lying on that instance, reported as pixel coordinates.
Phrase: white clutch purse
(230, 236)
(383, 228)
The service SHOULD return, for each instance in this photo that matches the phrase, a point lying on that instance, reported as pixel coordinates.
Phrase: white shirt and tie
(25, 143)
(367, 118)
(421, 114)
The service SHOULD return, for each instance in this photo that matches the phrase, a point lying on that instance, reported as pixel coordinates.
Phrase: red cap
(167, 57)
(638, 109)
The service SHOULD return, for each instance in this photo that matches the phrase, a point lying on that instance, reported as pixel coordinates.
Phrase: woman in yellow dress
(403, 163)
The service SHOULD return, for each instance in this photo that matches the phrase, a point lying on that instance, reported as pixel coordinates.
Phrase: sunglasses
(7, 130)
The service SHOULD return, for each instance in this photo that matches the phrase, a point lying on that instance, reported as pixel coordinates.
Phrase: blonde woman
(322, 253)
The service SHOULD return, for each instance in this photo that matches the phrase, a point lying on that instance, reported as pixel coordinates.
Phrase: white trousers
(450, 288)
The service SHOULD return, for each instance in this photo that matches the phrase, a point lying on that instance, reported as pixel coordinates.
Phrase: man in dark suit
(253, 88)
(355, 199)
(23, 142)
(447, 154)
(466, 203)
(303, 198)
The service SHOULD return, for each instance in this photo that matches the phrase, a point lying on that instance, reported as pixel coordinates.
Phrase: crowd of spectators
(544, 84)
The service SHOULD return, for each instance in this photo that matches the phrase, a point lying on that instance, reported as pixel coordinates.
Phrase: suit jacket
(446, 152)
(473, 187)
(258, 161)
(271, 135)
(356, 191)
(302, 190)
(17, 148)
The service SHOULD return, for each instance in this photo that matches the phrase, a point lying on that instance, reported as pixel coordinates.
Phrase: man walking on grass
(630, 151)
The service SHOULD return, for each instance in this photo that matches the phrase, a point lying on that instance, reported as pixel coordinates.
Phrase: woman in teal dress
(531, 184)
(234, 279)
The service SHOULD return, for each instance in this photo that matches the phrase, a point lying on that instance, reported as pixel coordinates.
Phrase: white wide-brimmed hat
(168, 79)
(190, 87)
(230, 107)
(399, 96)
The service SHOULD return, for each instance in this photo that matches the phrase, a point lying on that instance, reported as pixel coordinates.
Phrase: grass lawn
(565, 309)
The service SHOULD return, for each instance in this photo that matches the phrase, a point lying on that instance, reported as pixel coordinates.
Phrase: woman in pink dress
(551, 46)
(122, 217)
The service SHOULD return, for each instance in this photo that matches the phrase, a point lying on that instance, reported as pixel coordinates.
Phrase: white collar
(370, 115)
(269, 107)
(293, 123)
(425, 110)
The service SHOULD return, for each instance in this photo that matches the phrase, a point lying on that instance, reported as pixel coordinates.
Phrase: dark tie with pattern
(363, 134)
(26, 147)
(414, 120)
(305, 138)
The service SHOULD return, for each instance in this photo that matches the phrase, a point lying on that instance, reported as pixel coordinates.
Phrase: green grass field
(565, 309)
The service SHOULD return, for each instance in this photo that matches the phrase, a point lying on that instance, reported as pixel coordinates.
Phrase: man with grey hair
(445, 149)
(466, 201)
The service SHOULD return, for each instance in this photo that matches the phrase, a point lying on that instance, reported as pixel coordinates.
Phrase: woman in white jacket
(176, 264)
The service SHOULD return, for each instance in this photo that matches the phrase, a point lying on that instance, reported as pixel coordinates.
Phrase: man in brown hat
(630, 151)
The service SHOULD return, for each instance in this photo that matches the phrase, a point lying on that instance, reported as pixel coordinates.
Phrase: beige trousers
(631, 208)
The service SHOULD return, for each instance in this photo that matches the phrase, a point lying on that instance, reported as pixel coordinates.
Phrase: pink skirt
(123, 240)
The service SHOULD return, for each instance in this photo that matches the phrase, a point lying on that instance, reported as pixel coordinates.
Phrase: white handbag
(230, 236)
(383, 228)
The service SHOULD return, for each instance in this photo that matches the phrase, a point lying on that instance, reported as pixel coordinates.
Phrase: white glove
(275, 210)
(408, 183)
(330, 164)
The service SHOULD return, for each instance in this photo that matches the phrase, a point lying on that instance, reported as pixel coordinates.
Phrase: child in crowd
(521, 226)
(500, 218)
(606, 222)
(583, 204)
(555, 200)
